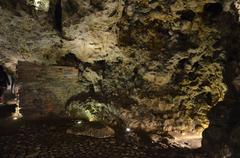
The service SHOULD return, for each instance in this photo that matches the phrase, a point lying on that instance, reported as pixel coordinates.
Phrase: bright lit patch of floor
(187, 140)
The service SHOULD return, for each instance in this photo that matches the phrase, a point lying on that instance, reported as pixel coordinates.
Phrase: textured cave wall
(183, 68)
(160, 63)
(26, 34)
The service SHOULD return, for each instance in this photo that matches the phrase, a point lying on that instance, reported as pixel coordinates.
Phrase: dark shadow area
(8, 126)
(213, 9)
(221, 138)
(69, 59)
(58, 16)
(70, 7)
(98, 4)
(6, 111)
(187, 15)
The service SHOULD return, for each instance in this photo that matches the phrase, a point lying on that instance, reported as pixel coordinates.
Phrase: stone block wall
(45, 89)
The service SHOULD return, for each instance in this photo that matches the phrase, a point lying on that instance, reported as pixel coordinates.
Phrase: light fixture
(79, 122)
(15, 118)
(128, 130)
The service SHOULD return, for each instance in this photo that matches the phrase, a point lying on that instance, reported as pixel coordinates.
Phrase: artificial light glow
(128, 130)
(15, 118)
(16, 115)
(79, 122)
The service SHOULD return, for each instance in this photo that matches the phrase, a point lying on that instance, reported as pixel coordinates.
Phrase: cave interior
(119, 78)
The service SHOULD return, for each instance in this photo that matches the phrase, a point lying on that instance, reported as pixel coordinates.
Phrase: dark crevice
(187, 15)
(58, 16)
(7, 110)
(69, 59)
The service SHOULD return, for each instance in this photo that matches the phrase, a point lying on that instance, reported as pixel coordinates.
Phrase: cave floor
(48, 139)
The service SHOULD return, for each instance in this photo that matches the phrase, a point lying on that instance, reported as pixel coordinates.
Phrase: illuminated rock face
(40, 4)
(161, 63)
(181, 59)
(92, 110)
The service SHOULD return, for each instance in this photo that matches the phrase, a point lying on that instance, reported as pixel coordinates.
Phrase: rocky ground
(20, 139)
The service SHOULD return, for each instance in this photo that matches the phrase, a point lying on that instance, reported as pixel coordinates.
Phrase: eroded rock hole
(58, 16)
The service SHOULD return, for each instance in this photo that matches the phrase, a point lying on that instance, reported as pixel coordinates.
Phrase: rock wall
(182, 66)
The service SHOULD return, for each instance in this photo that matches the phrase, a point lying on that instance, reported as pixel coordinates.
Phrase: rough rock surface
(94, 129)
(91, 110)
